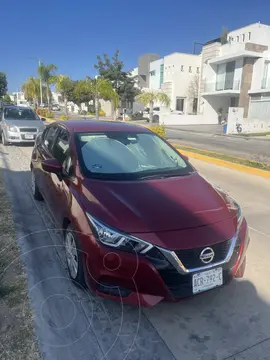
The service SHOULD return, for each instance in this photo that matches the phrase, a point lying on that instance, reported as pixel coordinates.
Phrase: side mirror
(51, 166)
(42, 119)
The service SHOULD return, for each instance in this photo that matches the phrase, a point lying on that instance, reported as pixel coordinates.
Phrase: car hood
(156, 205)
(25, 123)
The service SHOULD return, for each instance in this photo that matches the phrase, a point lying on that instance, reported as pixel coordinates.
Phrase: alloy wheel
(71, 255)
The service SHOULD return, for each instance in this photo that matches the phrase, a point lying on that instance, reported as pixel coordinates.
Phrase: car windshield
(128, 156)
(20, 114)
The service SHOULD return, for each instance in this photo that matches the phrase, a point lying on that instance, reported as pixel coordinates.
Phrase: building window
(182, 68)
(190, 69)
(153, 73)
(237, 38)
(195, 105)
(249, 36)
(161, 74)
(198, 70)
(243, 37)
(234, 101)
(266, 75)
(180, 102)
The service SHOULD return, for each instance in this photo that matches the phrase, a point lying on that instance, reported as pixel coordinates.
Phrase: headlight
(231, 204)
(111, 237)
(13, 128)
(239, 213)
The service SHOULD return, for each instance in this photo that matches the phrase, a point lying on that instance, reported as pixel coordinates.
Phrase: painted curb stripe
(227, 164)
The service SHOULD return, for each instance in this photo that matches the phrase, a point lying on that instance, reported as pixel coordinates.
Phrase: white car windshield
(128, 156)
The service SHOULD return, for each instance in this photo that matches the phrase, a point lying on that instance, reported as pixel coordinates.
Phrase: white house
(156, 74)
(236, 74)
(181, 81)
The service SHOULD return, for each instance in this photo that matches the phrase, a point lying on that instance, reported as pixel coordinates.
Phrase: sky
(71, 33)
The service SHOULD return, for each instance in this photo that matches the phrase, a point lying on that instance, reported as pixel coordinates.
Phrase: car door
(43, 151)
(61, 196)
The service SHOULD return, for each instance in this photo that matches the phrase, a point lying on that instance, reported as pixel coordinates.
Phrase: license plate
(29, 136)
(207, 280)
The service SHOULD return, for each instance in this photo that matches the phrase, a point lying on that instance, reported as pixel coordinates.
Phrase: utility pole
(40, 84)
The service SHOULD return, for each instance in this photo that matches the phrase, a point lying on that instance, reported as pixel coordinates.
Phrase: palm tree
(152, 97)
(102, 89)
(32, 90)
(47, 74)
(64, 85)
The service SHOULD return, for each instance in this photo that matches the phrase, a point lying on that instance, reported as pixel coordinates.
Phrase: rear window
(20, 114)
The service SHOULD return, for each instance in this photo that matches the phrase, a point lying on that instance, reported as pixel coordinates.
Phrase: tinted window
(49, 136)
(128, 156)
(20, 114)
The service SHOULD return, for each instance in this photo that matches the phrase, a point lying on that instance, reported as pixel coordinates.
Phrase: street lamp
(40, 81)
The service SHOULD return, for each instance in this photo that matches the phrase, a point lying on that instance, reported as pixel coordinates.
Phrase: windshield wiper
(161, 176)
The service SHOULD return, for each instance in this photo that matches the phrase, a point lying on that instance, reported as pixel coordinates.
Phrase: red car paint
(175, 214)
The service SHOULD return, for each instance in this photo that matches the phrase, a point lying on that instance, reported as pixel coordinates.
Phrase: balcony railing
(221, 86)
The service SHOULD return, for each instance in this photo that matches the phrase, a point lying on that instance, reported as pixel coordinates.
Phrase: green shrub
(49, 115)
(42, 112)
(64, 117)
(160, 130)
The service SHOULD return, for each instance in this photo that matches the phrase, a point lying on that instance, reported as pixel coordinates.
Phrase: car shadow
(69, 320)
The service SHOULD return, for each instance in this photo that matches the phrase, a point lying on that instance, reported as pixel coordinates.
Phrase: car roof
(76, 126)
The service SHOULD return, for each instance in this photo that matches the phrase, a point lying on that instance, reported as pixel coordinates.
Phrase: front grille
(28, 130)
(191, 258)
(180, 285)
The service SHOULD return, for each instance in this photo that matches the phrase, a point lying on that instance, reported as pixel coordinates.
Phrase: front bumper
(18, 137)
(146, 280)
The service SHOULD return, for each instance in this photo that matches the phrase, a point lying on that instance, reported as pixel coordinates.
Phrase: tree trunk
(113, 110)
(151, 106)
(48, 97)
(97, 107)
(66, 109)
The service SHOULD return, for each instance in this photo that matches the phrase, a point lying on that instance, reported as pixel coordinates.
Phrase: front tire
(3, 139)
(74, 257)
(35, 190)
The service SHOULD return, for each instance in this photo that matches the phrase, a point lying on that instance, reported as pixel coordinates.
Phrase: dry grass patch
(18, 340)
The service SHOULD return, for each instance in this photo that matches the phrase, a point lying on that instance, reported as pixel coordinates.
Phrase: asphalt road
(230, 323)
(253, 149)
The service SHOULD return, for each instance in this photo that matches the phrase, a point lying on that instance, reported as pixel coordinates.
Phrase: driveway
(71, 323)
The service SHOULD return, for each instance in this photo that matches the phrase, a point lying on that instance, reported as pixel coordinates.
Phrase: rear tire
(74, 257)
(35, 191)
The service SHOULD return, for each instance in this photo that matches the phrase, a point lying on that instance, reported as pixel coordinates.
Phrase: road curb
(227, 164)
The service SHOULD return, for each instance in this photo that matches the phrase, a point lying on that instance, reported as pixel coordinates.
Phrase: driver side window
(62, 152)
(49, 137)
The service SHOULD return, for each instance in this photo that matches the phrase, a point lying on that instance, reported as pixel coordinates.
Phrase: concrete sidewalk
(215, 130)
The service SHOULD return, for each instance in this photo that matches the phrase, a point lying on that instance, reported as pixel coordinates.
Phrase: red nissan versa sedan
(140, 225)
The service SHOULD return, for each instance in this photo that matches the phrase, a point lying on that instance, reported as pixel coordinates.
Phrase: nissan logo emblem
(207, 255)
